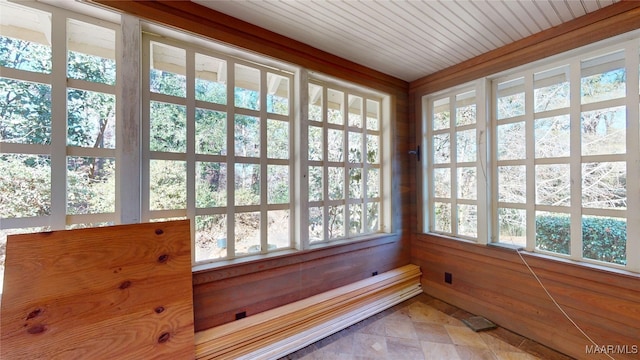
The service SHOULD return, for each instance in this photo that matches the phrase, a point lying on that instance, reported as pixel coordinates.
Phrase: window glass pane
(91, 52)
(466, 108)
(315, 143)
(442, 217)
(335, 145)
(551, 89)
(604, 239)
(553, 232)
(278, 232)
(211, 132)
(512, 226)
(277, 139)
(604, 131)
(510, 99)
(211, 79)
(247, 136)
(26, 109)
(277, 94)
(355, 147)
(247, 184)
(91, 185)
(211, 184)
(466, 145)
(373, 183)
(316, 224)
(442, 182)
(512, 184)
(167, 185)
(335, 107)
(441, 149)
(373, 149)
(168, 70)
(247, 228)
(604, 185)
(373, 216)
(91, 119)
(315, 183)
(336, 183)
(336, 222)
(441, 114)
(512, 141)
(278, 184)
(28, 179)
(553, 185)
(552, 137)
(468, 220)
(25, 32)
(211, 237)
(355, 219)
(467, 183)
(373, 115)
(355, 183)
(355, 111)
(247, 87)
(168, 127)
(603, 78)
(315, 102)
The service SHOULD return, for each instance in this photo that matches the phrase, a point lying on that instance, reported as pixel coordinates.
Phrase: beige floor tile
(432, 332)
(400, 329)
(371, 346)
(496, 344)
(465, 336)
(424, 313)
(474, 353)
(437, 351)
(342, 345)
(404, 349)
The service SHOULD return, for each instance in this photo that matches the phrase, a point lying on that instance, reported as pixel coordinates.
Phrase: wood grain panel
(610, 21)
(119, 292)
(495, 283)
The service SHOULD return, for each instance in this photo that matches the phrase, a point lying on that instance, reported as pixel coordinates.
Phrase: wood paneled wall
(260, 285)
(495, 283)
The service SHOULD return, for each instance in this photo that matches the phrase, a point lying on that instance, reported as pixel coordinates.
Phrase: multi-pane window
(57, 121)
(218, 132)
(453, 164)
(344, 163)
(210, 134)
(564, 155)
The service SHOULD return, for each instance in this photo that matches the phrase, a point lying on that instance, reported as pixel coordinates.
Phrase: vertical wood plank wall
(494, 282)
(264, 284)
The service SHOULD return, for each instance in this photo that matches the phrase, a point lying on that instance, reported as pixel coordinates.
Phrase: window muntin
(453, 164)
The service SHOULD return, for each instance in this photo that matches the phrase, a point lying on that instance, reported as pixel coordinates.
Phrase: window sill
(203, 273)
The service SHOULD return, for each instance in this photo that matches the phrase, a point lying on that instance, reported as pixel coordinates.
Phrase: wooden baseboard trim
(283, 330)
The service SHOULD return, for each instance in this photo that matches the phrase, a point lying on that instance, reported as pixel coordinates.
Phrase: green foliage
(553, 233)
(28, 179)
(603, 239)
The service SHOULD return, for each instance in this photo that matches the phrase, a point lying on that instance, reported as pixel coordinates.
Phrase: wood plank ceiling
(405, 38)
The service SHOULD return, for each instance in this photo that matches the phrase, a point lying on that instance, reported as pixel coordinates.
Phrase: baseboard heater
(277, 332)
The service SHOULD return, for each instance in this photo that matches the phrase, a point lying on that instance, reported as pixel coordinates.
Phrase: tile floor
(423, 328)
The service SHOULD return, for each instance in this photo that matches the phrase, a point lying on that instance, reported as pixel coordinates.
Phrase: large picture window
(565, 157)
(211, 134)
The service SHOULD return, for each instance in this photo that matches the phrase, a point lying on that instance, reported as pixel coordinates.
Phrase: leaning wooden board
(119, 292)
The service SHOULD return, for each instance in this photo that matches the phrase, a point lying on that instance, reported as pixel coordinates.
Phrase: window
(453, 163)
(565, 157)
(223, 138)
(58, 123)
(217, 134)
(344, 176)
